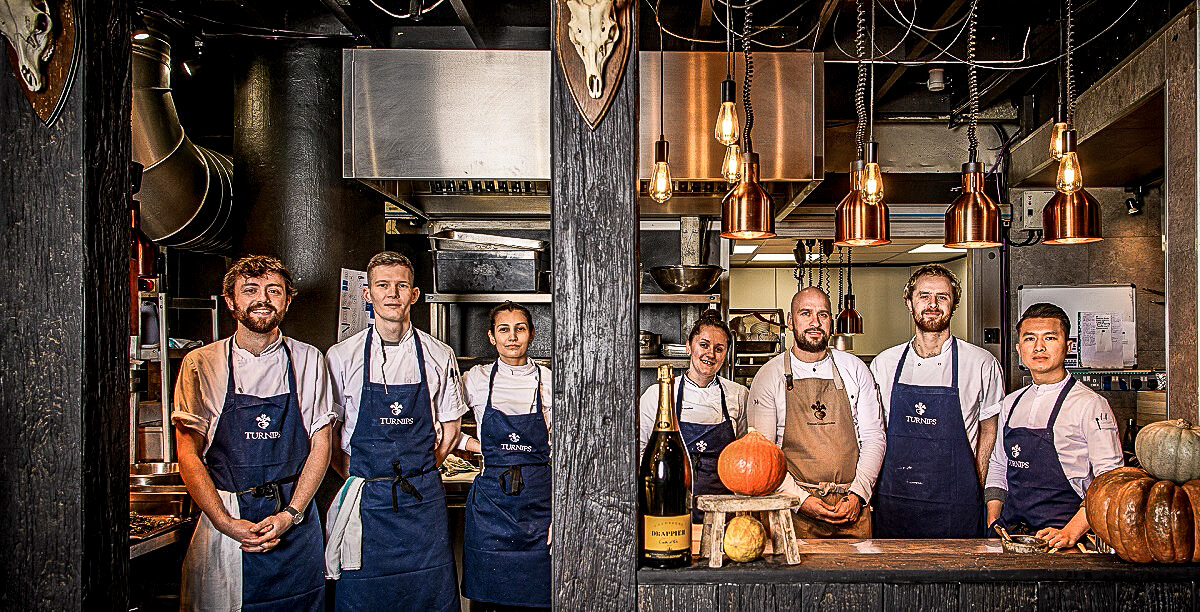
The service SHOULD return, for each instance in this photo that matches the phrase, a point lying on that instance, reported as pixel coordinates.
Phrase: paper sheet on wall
(1102, 341)
(354, 314)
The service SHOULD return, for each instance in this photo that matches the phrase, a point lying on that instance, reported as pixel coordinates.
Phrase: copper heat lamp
(973, 220)
(857, 223)
(747, 211)
(1071, 218)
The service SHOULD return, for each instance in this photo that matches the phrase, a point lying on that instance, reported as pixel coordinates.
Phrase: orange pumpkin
(752, 465)
(1145, 519)
(745, 539)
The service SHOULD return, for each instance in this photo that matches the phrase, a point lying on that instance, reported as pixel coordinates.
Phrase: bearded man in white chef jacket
(940, 395)
(401, 401)
(1057, 437)
(820, 405)
(251, 416)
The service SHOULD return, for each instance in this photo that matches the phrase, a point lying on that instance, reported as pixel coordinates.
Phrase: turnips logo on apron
(396, 408)
(515, 437)
(264, 422)
(1012, 461)
(920, 409)
(819, 409)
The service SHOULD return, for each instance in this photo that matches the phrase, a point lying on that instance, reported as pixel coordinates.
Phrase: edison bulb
(731, 168)
(727, 131)
(872, 183)
(1057, 145)
(1070, 179)
(660, 183)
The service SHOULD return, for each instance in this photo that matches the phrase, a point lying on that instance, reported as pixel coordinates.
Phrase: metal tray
(450, 240)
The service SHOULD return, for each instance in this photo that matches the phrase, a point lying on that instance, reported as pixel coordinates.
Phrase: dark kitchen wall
(64, 327)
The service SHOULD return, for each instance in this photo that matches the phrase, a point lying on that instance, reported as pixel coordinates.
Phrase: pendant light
(856, 222)
(973, 220)
(1057, 133)
(727, 132)
(660, 181)
(1072, 216)
(849, 322)
(872, 178)
(747, 211)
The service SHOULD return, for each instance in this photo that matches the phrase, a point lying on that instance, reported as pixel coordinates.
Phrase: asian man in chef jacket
(251, 415)
(1057, 437)
(940, 395)
(400, 401)
(821, 407)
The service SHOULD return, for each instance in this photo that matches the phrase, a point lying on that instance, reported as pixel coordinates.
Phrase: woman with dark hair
(711, 410)
(506, 547)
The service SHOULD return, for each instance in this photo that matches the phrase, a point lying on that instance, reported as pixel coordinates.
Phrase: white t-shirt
(701, 405)
(767, 411)
(204, 378)
(1085, 434)
(512, 393)
(980, 380)
(441, 372)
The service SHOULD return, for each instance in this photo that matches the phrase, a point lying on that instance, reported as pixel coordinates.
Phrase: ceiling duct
(447, 133)
(186, 199)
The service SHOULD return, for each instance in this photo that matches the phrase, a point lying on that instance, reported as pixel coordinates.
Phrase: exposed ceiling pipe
(186, 198)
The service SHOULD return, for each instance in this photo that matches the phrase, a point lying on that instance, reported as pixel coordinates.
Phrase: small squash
(745, 539)
(752, 465)
(1170, 450)
(1145, 519)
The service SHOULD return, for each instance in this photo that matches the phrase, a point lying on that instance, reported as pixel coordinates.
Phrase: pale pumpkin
(745, 539)
(1170, 450)
(752, 465)
(1145, 519)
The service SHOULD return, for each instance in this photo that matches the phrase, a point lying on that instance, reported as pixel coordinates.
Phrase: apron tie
(825, 488)
(515, 483)
(271, 490)
(402, 483)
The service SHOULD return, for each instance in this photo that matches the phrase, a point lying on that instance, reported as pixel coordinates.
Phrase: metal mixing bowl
(686, 279)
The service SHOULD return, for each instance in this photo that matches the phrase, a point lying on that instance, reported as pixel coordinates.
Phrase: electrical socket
(1032, 203)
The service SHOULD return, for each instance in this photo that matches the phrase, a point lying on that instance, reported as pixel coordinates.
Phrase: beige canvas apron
(821, 447)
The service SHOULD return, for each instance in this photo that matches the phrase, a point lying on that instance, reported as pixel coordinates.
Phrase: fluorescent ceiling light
(742, 249)
(774, 257)
(935, 247)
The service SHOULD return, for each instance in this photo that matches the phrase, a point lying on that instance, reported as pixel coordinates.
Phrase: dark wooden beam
(464, 17)
(594, 225)
(64, 358)
(918, 48)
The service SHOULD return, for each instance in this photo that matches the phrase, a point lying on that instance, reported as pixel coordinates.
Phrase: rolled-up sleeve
(189, 401)
(996, 487)
(993, 390)
(323, 411)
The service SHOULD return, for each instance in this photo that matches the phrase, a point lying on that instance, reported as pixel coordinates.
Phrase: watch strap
(297, 516)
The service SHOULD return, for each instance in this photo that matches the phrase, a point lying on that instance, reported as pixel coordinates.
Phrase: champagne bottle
(665, 495)
(1128, 444)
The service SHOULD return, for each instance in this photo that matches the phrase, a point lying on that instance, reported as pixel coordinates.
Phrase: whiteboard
(1074, 299)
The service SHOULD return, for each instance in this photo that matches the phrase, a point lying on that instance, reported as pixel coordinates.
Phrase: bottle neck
(665, 421)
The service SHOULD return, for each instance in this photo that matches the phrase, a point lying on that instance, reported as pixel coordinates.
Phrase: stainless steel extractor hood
(432, 128)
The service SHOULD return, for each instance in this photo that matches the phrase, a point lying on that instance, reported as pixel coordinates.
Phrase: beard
(932, 326)
(812, 346)
(258, 325)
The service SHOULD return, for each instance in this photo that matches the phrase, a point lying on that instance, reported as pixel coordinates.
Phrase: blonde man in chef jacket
(820, 405)
(940, 396)
(1057, 437)
(251, 416)
(400, 401)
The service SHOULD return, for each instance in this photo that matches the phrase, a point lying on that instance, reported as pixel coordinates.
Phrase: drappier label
(667, 536)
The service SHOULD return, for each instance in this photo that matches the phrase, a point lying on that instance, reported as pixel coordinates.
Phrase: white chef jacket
(767, 411)
(980, 380)
(701, 405)
(204, 378)
(441, 372)
(1085, 435)
(512, 394)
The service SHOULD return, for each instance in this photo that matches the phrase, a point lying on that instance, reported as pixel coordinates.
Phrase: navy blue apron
(506, 559)
(1039, 494)
(704, 444)
(406, 557)
(928, 486)
(257, 451)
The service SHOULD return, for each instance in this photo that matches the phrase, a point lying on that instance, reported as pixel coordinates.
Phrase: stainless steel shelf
(680, 298)
(654, 362)
(546, 298)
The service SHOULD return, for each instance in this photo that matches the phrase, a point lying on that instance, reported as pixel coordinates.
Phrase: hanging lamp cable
(1070, 66)
(860, 90)
(973, 81)
(661, 80)
(871, 116)
(749, 77)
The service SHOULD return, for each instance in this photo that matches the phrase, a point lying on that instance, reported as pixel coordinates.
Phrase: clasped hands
(259, 537)
(844, 512)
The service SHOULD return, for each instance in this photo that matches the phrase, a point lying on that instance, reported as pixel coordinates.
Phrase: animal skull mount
(28, 26)
(599, 31)
(594, 32)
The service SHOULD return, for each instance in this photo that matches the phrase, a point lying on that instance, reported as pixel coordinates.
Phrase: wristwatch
(297, 516)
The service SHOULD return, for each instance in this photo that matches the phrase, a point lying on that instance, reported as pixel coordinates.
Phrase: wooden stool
(778, 509)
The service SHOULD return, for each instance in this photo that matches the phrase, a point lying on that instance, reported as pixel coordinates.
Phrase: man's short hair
(1044, 310)
(391, 258)
(254, 266)
(934, 269)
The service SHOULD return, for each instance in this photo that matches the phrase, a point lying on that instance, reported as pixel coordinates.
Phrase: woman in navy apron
(506, 547)
(406, 556)
(928, 486)
(708, 345)
(262, 472)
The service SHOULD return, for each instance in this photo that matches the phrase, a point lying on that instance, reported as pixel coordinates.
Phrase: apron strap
(1062, 396)
(400, 482)
(271, 490)
(1013, 409)
(787, 372)
(230, 388)
(953, 363)
(367, 356)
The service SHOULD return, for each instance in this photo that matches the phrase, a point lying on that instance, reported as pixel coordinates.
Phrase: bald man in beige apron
(821, 446)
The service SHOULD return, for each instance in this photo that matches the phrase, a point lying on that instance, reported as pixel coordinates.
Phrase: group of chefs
(924, 443)
(260, 417)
